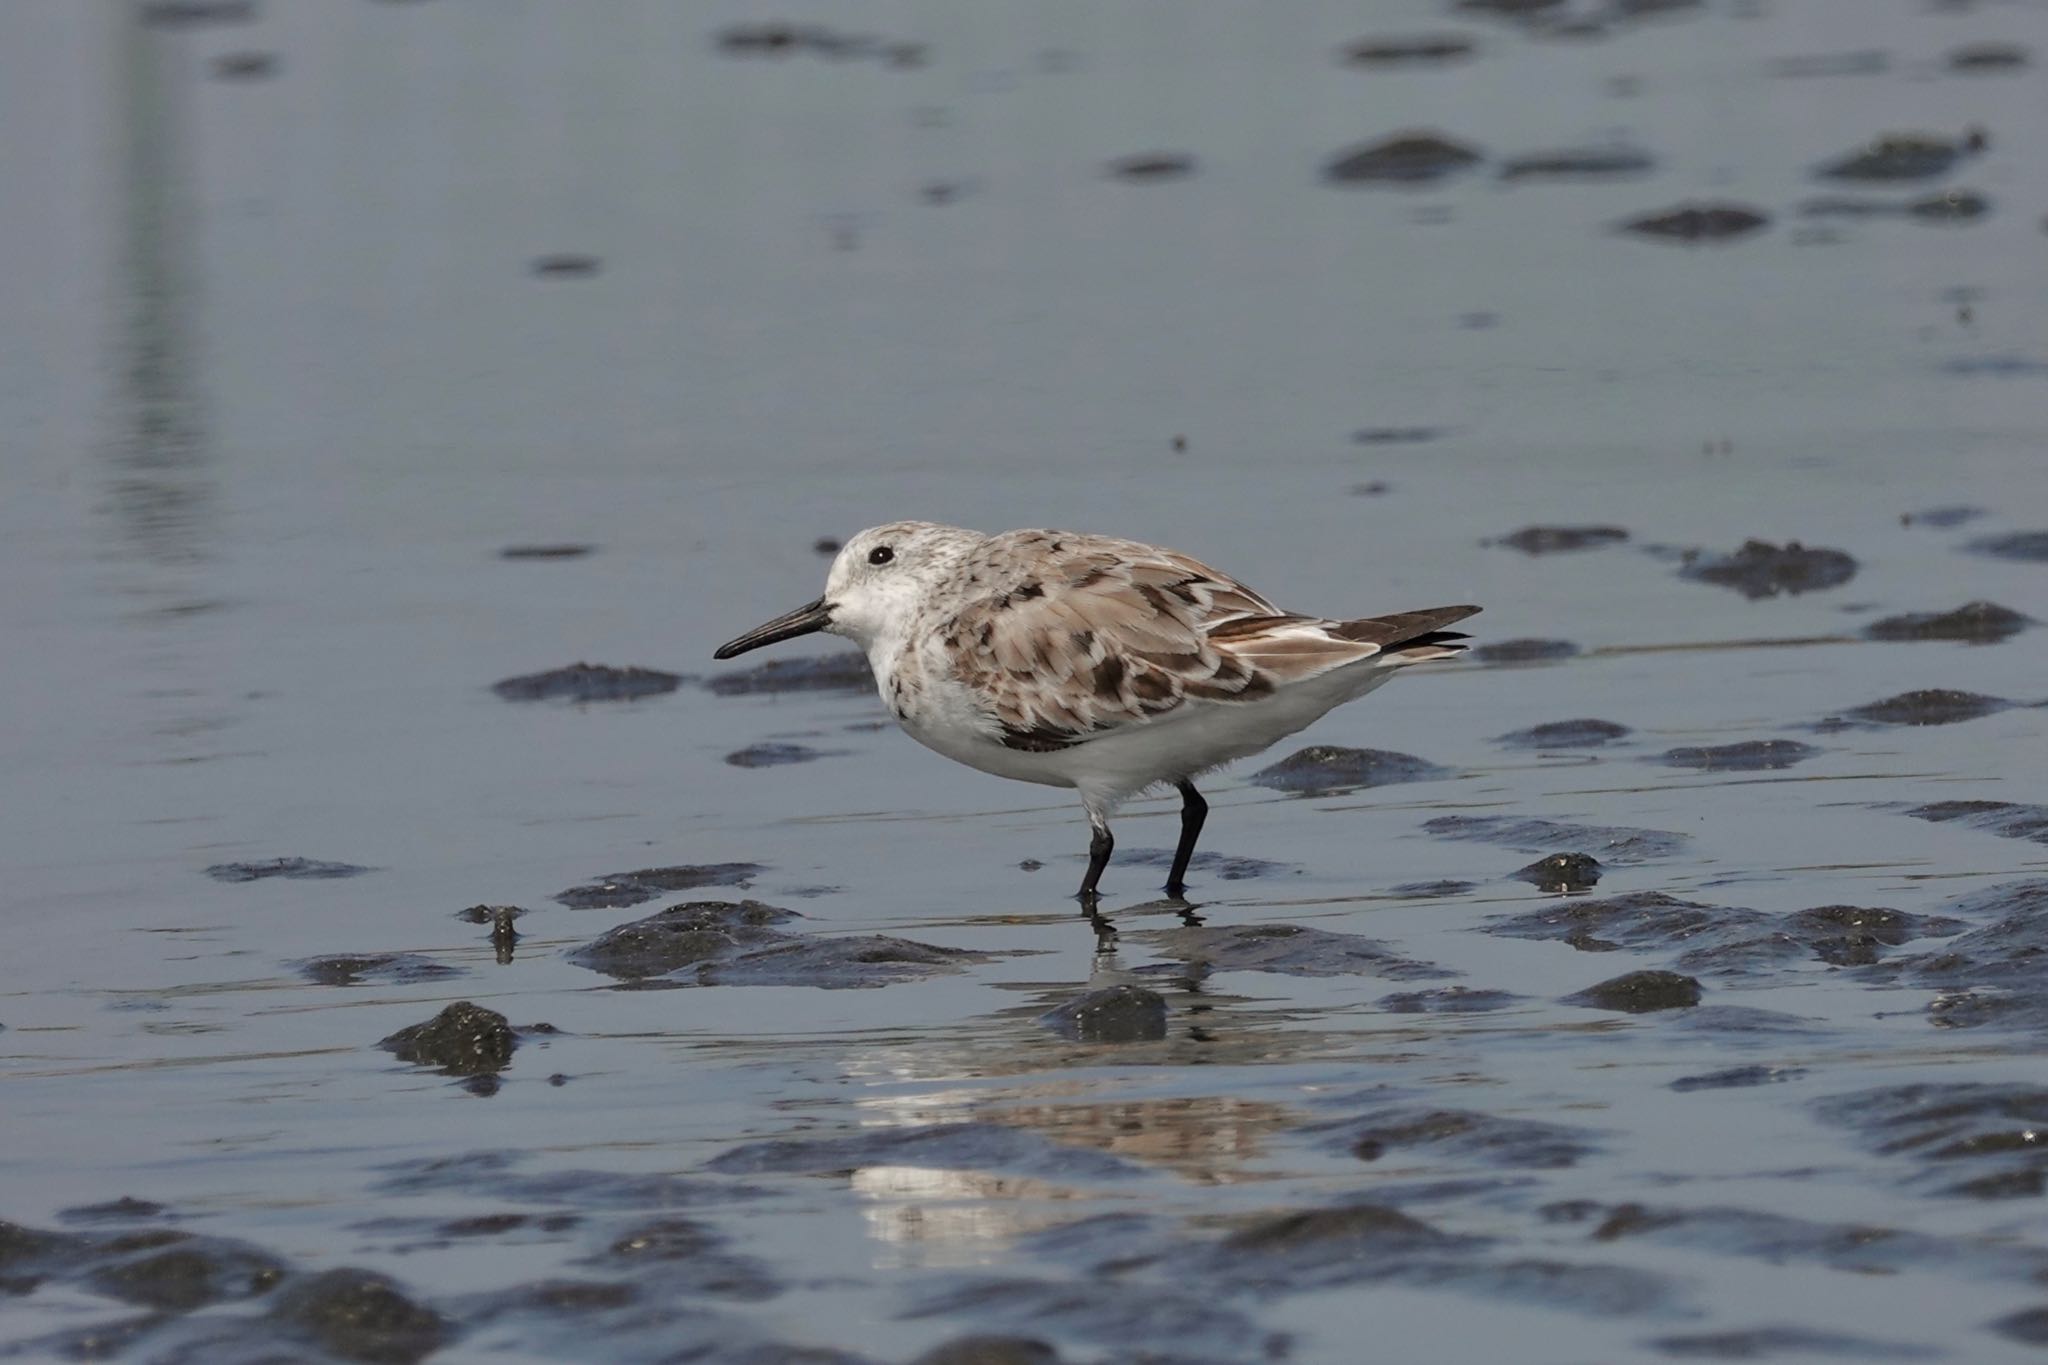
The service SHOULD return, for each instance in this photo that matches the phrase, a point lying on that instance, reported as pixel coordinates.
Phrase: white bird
(1084, 661)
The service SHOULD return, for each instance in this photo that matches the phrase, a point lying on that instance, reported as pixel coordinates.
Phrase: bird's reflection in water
(1106, 968)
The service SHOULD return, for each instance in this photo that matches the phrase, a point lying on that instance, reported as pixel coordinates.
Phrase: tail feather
(1415, 636)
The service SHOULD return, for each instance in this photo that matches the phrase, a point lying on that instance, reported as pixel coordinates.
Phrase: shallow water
(289, 361)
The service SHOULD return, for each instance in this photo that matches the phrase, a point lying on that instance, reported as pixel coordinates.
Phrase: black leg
(1193, 811)
(1099, 845)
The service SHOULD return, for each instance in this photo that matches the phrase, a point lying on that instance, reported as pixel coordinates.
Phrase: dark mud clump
(722, 943)
(588, 683)
(1105, 1310)
(1115, 1014)
(462, 1040)
(190, 1274)
(1562, 872)
(1737, 1078)
(1415, 158)
(391, 969)
(1291, 950)
(1978, 58)
(1929, 706)
(1151, 168)
(2028, 546)
(1325, 768)
(245, 66)
(772, 755)
(990, 1350)
(1544, 540)
(1692, 224)
(846, 672)
(1433, 890)
(1941, 518)
(620, 889)
(1614, 843)
(1448, 1000)
(2029, 1327)
(1760, 569)
(361, 1315)
(1976, 623)
(2006, 819)
(565, 265)
(1395, 436)
(1976, 1139)
(175, 14)
(1753, 755)
(1579, 163)
(1773, 1342)
(945, 1147)
(1432, 49)
(779, 40)
(1857, 935)
(126, 1209)
(848, 962)
(1565, 734)
(1461, 1133)
(295, 869)
(1640, 920)
(1524, 651)
(546, 552)
(682, 936)
(1895, 156)
(1639, 993)
(1949, 207)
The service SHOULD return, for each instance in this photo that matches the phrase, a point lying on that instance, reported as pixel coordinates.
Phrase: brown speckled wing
(1071, 636)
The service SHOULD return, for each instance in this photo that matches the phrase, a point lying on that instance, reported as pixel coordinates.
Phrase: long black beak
(806, 619)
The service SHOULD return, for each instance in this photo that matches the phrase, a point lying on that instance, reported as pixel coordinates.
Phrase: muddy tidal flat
(416, 948)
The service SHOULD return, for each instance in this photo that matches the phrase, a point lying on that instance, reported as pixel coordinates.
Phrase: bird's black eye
(881, 554)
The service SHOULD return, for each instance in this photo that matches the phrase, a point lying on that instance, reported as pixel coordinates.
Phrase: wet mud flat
(417, 948)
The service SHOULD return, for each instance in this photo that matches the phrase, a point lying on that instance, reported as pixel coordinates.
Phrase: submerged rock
(1585, 733)
(1229, 867)
(546, 551)
(1986, 1140)
(1738, 1078)
(846, 672)
(1326, 768)
(295, 869)
(565, 265)
(1543, 540)
(2007, 819)
(775, 755)
(1413, 158)
(1760, 569)
(588, 683)
(1977, 623)
(845, 962)
(1639, 993)
(990, 1350)
(1432, 49)
(190, 1274)
(1947, 207)
(1694, 223)
(1152, 167)
(1930, 706)
(1460, 1133)
(1615, 843)
(1941, 518)
(620, 889)
(346, 969)
(1579, 163)
(1989, 57)
(1895, 156)
(683, 936)
(1752, 755)
(1562, 872)
(1115, 1014)
(1524, 651)
(1639, 920)
(1290, 949)
(361, 1315)
(1448, 1000)
(2028, 546)
(462, 1040)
